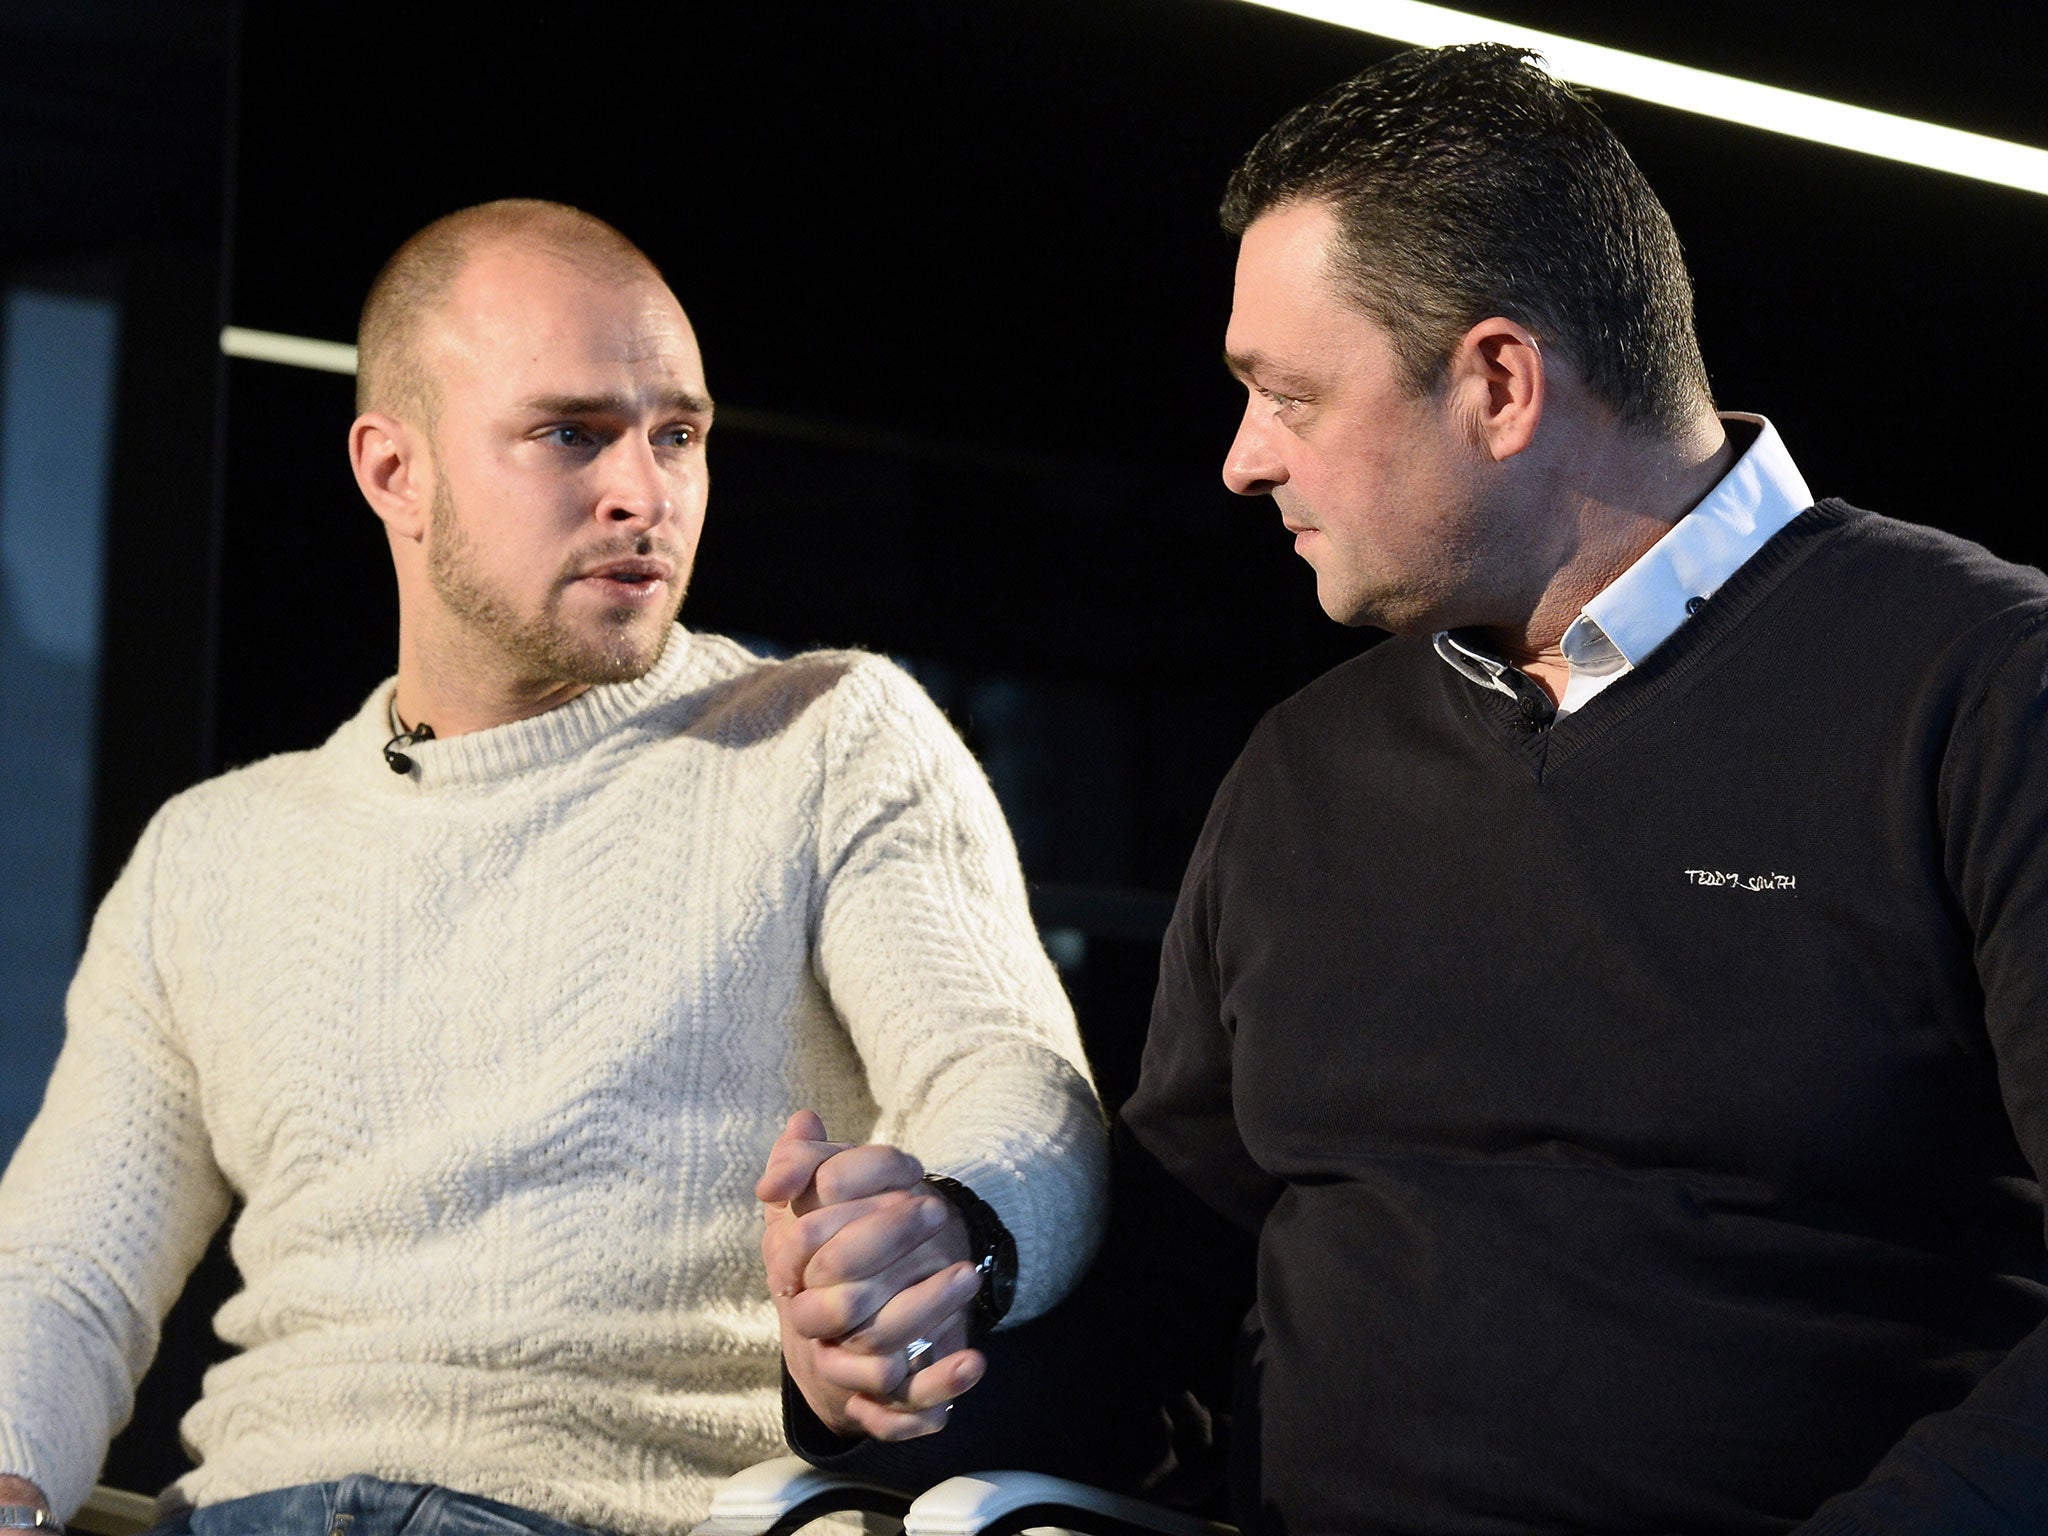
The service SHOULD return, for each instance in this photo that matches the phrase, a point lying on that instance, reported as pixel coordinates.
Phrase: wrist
(24, 1507)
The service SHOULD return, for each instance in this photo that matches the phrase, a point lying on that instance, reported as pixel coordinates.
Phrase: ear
(394, 471)
(1499, 374)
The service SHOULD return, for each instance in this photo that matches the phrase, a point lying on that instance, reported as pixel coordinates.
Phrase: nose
(1252, 467)
(637, 491)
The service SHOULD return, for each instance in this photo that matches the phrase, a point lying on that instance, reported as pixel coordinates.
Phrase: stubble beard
(622, 644)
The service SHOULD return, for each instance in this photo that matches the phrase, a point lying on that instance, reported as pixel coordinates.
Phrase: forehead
(520, 322)
(1288, 310)
(1283, 264)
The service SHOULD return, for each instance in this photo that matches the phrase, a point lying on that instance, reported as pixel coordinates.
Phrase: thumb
(794, 1158)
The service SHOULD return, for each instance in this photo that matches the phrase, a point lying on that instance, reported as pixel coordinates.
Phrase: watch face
(998, 1277)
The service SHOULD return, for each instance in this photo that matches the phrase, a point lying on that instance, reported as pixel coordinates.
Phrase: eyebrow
(681, 401)
(1243, 365)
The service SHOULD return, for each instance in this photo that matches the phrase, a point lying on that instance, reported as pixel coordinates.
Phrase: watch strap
(990, 1246)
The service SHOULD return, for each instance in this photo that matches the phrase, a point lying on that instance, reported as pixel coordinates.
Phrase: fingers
(806, 1171)
(862, 1261)
(927, 1399)
(867, 1354)
(795, 1158)
(784, 1253)
(885, 1253)
(888, 1379)
(859, 1240)
(790, 1246)
(857, 1172)
(834, 1311)
(855, 1370)
(885, 1393)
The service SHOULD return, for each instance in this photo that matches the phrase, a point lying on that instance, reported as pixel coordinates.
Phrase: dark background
(961, 294)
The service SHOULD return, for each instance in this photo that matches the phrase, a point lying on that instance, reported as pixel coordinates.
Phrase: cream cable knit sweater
(494, 1052)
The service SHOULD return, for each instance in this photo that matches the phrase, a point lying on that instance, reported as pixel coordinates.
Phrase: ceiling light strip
(293, 351)
(1792, 113)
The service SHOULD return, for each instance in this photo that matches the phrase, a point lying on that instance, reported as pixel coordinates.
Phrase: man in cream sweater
(491, 1010)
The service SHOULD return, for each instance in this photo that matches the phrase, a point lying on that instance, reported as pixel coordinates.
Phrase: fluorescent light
(1697, 90)
(293, 351)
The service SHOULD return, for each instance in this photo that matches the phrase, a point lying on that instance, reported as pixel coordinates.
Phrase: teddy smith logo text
(1736, 882)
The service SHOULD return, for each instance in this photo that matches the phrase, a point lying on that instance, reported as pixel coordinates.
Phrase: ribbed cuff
(20, 1457)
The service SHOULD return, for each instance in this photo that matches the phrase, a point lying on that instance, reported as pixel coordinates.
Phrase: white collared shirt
(1643, 607)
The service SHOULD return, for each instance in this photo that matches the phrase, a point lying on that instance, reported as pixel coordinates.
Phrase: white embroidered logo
(1734, 881)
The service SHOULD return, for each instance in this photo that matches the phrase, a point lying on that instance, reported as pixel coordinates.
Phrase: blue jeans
(364, 1506)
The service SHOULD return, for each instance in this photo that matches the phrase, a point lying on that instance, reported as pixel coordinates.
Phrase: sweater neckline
(1697, 646)
(505, 751)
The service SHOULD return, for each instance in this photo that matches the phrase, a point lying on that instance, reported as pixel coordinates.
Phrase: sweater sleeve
(107, 1205)
(1182, 1114)
(926, 946)
(1189, 1198)
(1982, 1466)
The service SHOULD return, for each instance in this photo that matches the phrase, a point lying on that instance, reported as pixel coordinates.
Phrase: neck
(1618, 494)
(457, 693)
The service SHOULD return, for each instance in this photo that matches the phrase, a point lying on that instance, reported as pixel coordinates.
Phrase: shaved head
(392, 375)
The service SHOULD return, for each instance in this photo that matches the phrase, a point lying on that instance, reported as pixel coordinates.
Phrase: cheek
(690, 515)
(691, 495)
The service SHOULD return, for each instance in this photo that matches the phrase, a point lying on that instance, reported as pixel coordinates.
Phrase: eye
(1280, 402)
(678, 435)
(568, 435)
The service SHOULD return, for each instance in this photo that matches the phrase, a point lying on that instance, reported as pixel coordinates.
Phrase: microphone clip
(394, 749)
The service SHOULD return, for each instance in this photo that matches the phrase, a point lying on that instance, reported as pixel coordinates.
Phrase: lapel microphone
(394, 753)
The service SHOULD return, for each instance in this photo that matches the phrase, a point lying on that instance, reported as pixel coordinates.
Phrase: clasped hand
(865, 1262)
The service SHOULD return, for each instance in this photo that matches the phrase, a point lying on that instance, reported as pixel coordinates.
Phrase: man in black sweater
(1614, 1011)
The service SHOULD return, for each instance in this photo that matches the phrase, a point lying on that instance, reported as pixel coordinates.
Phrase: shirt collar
(1644, 606)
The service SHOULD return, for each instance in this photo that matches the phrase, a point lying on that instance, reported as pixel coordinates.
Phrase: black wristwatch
(991, 1247)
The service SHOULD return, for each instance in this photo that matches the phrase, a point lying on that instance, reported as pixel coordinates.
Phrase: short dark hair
(391, 376)
(1468, 182)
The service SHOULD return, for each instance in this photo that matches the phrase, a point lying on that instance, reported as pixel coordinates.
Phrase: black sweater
(1639, 1119)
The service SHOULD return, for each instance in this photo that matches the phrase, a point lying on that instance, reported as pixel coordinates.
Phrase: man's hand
(19, 1490)
(865, 1264)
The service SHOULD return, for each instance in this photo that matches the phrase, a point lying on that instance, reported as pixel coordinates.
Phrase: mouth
(1305, 536)
(1291, 518)
(635, 580)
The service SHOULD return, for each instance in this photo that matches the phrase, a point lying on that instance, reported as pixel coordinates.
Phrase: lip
(632, 571)
(632, 581)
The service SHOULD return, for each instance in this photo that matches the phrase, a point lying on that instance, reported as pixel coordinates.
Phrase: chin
(618, 650)
(627, 654)
(1356, 611)
(1350, 608)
